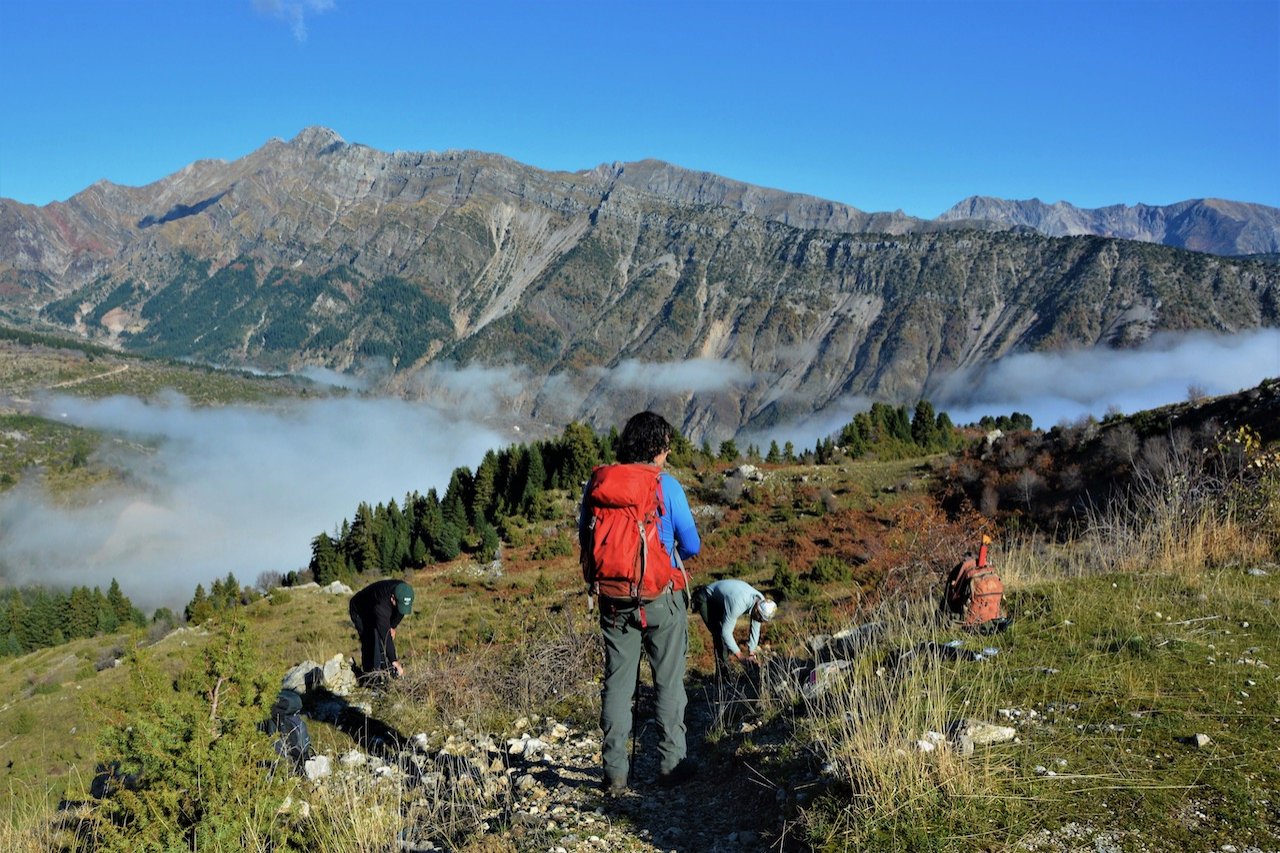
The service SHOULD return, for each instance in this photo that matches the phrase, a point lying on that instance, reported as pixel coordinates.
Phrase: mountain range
(582, 294)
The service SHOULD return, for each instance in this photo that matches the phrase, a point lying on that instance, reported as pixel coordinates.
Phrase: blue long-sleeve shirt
(676, 527)
(735, 599)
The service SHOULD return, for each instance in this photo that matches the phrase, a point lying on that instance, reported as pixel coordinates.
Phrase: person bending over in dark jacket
(375, 611)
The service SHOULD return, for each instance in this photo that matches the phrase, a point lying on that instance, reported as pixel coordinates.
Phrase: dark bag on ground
(292, 740)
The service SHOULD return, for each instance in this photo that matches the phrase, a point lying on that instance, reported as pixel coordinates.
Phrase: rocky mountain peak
(317, 139)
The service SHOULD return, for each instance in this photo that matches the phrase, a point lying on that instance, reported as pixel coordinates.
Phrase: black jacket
(377, 612)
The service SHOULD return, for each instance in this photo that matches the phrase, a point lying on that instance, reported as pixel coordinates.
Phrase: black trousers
(373, 649)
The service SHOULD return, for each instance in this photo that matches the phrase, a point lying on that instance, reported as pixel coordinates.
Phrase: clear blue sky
(884, 105)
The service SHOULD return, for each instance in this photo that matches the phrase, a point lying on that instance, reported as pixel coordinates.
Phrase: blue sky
(885, 105)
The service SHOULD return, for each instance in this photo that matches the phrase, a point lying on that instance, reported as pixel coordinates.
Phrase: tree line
(510, 487)
(477, 512)
(34, 618)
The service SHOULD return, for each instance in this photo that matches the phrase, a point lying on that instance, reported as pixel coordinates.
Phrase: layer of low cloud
(697, 376)
(1065, 386)
(227, 490)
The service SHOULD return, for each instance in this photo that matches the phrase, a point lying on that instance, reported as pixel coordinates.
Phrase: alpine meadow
(346, 489)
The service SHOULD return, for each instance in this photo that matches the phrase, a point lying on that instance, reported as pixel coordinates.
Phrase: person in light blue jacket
(720, 605)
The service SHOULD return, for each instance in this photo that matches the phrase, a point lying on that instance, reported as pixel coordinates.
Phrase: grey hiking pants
(665, 641)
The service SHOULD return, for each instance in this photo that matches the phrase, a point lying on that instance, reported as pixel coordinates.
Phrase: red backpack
(622, 554)
(974, 591)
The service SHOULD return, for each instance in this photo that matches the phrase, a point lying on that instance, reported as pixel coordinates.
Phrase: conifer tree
(120, 605)
(774, 456)
(489, 541)
(198, 610)
(945, 430)
(484, 489)
(924, 425)
(17, 617)
(431, 521)
(449, 543)
(609, 447)
(535, 477)
(454, 505)
(578, 443)
(325, 562)
(197, 754)
(82, 613)
(682, 451)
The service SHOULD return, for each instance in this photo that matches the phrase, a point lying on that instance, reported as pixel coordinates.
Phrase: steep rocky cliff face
(1203, 225)
(584, 293)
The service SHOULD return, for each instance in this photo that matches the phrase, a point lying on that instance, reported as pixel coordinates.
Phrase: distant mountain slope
(315, 251)
(1203, 225)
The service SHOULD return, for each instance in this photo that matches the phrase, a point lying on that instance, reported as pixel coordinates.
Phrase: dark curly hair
(644, 437)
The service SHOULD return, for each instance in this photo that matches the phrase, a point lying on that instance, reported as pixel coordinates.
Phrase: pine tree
(17, 622)
(945, 430)
(360, 545)
(774, 456)
(122, 607)
(682, 452)
(449, 543)
(489, 541)
(924, 425)
(196, 751)
(325, 563)
(454, 505)
(535, 477)
(484, 489)
(578, 444)
(82, 613)
(198, 610)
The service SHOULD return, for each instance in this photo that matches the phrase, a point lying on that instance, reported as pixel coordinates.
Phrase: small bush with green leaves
(829, 569)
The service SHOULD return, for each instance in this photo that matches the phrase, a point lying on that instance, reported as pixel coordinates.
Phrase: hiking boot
(613, 787)
(678, 775)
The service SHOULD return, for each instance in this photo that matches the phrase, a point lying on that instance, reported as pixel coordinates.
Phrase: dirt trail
(121, 369)
(729, 806)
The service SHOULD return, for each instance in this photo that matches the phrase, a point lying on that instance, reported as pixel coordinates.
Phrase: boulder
(983, 734)
(303, 678)
(337, 676)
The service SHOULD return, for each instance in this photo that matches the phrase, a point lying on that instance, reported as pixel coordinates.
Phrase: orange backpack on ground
(622, 553)
(974, 591)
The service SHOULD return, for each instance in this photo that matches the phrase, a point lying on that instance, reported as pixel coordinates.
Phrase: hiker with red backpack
(635, 530)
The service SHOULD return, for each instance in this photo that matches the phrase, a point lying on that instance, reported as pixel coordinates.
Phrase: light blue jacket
(736, 599)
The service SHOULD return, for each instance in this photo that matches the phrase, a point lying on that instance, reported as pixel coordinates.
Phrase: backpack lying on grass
(974, 593)
(292, 740)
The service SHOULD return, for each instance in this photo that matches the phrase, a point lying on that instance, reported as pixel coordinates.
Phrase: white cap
(765, 609)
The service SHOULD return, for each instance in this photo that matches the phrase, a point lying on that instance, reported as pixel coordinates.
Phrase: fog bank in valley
(241, 489)
(232, 489)
(1066, 386)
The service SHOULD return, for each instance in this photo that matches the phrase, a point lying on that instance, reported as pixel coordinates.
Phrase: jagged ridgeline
(318, 252)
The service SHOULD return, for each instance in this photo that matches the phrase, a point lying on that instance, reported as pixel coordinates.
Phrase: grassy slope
(61, 456)
(1115, 689)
